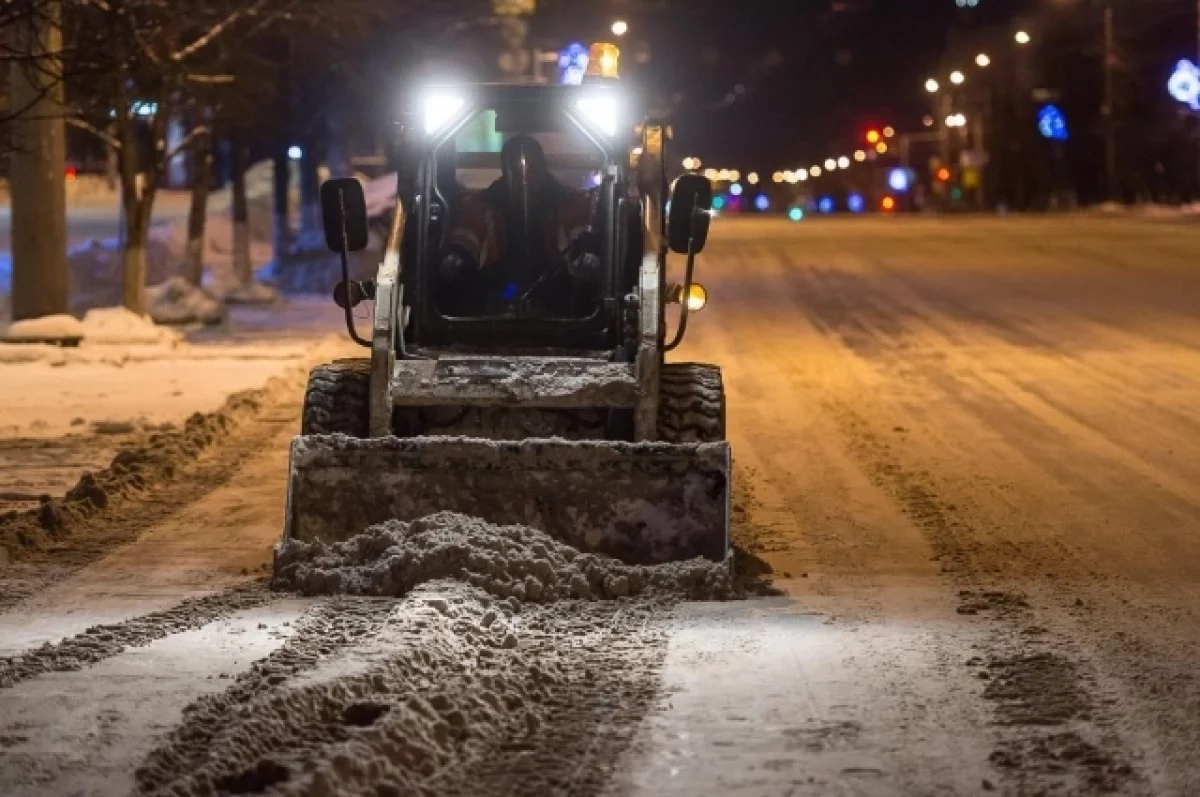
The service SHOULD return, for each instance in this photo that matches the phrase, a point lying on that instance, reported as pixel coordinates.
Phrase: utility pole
(1110, 129)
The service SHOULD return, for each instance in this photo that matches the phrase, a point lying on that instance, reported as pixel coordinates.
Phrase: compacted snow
(966, 452)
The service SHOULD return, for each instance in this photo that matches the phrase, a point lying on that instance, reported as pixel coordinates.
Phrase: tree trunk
(37, 180)
(337, 154)
(241, 215)
(137, 208)
(310, 188)
(282, 227)
(133, 256)
(198, 214)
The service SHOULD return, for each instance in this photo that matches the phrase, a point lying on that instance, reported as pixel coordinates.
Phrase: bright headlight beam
(440, 109)
(600, 111)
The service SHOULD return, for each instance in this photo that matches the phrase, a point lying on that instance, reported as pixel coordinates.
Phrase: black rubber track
(337, 399)
(691, 405)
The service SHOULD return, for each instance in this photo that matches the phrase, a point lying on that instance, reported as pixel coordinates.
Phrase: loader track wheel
(691, 404)
(337, 399)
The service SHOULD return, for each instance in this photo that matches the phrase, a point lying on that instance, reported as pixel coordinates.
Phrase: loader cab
(532, 257)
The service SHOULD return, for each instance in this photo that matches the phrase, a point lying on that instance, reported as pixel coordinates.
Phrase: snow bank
(177, 301)
(60, 327)
(116, 326)
(506, 561)
(254, 293)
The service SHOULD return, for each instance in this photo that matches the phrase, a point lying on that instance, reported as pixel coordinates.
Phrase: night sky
(815, 74)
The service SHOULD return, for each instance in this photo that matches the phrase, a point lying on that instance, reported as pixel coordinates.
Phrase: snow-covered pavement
(968, 449)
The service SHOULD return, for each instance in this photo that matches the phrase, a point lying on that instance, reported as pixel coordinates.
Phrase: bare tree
(142, 62)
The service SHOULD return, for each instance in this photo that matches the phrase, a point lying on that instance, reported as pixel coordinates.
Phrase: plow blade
(643, 503)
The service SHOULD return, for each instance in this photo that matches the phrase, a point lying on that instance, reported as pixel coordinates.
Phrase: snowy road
(970, 451)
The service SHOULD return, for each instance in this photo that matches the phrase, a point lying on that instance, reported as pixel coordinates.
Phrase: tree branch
(216, 31)
(197, 133)
(95, 131)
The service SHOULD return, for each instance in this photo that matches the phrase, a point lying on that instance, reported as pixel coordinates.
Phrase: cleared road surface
(969, 450)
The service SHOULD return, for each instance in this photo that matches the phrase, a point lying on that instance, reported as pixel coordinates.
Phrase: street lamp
(620, 27)
(1022, 37)
(983, 61)
(843, 162)
(957, 78)
(830, 164)
(815, 171)
(931, 86)
(860, 156)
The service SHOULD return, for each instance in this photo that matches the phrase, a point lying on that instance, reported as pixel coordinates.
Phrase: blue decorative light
(898, 180)
(762, 203)
(855, 203)
(572, 64)
(1052, 124)
(718, 203)
(736, 189)
(825, 205)
(1184, 84)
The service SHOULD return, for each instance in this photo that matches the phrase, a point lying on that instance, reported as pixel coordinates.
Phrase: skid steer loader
(483, 396)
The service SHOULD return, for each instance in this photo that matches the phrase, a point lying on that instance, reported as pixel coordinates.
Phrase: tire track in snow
(1053, 727)
(102, 642)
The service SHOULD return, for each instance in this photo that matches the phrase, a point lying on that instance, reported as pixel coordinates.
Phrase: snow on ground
(966, 447)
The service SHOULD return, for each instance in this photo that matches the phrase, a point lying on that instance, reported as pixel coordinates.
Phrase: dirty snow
(458, 693)
(506, 561)
(177, 301)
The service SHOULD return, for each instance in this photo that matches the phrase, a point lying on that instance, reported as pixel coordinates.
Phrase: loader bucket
(642, 503)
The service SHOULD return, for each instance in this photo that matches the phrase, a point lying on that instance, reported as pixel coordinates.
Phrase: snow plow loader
(521, 317)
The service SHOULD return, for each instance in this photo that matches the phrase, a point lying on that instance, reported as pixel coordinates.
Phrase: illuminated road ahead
(972, 448)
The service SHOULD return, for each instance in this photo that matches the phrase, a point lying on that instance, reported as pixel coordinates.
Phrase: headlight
(440, 109)
(697, 297)
(601, 111)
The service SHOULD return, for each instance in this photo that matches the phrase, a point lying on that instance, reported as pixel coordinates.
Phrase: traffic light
(872, 136)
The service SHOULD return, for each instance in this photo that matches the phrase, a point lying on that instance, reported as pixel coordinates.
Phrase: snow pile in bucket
(506, 561)
(177, 301)
(117, 326)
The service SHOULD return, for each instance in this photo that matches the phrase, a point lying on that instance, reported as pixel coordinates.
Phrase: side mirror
(688, 220)
(344, 212)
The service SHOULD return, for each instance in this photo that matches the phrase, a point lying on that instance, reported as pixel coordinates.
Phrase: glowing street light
(860, 156)
(889, 131)
(957, 78)
(1022, 37)
(931, 86)
(778, 177)
(843, 162)
(881, 148)
(620, 27)
(801, 176)
(815, 171)
(752, 178)
(830, 164)
(983, 61)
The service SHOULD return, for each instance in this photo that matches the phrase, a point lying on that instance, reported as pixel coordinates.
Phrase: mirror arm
(345, 256)
(681, 330)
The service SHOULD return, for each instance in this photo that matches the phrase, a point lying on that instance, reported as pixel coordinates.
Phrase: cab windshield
(516, 228)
